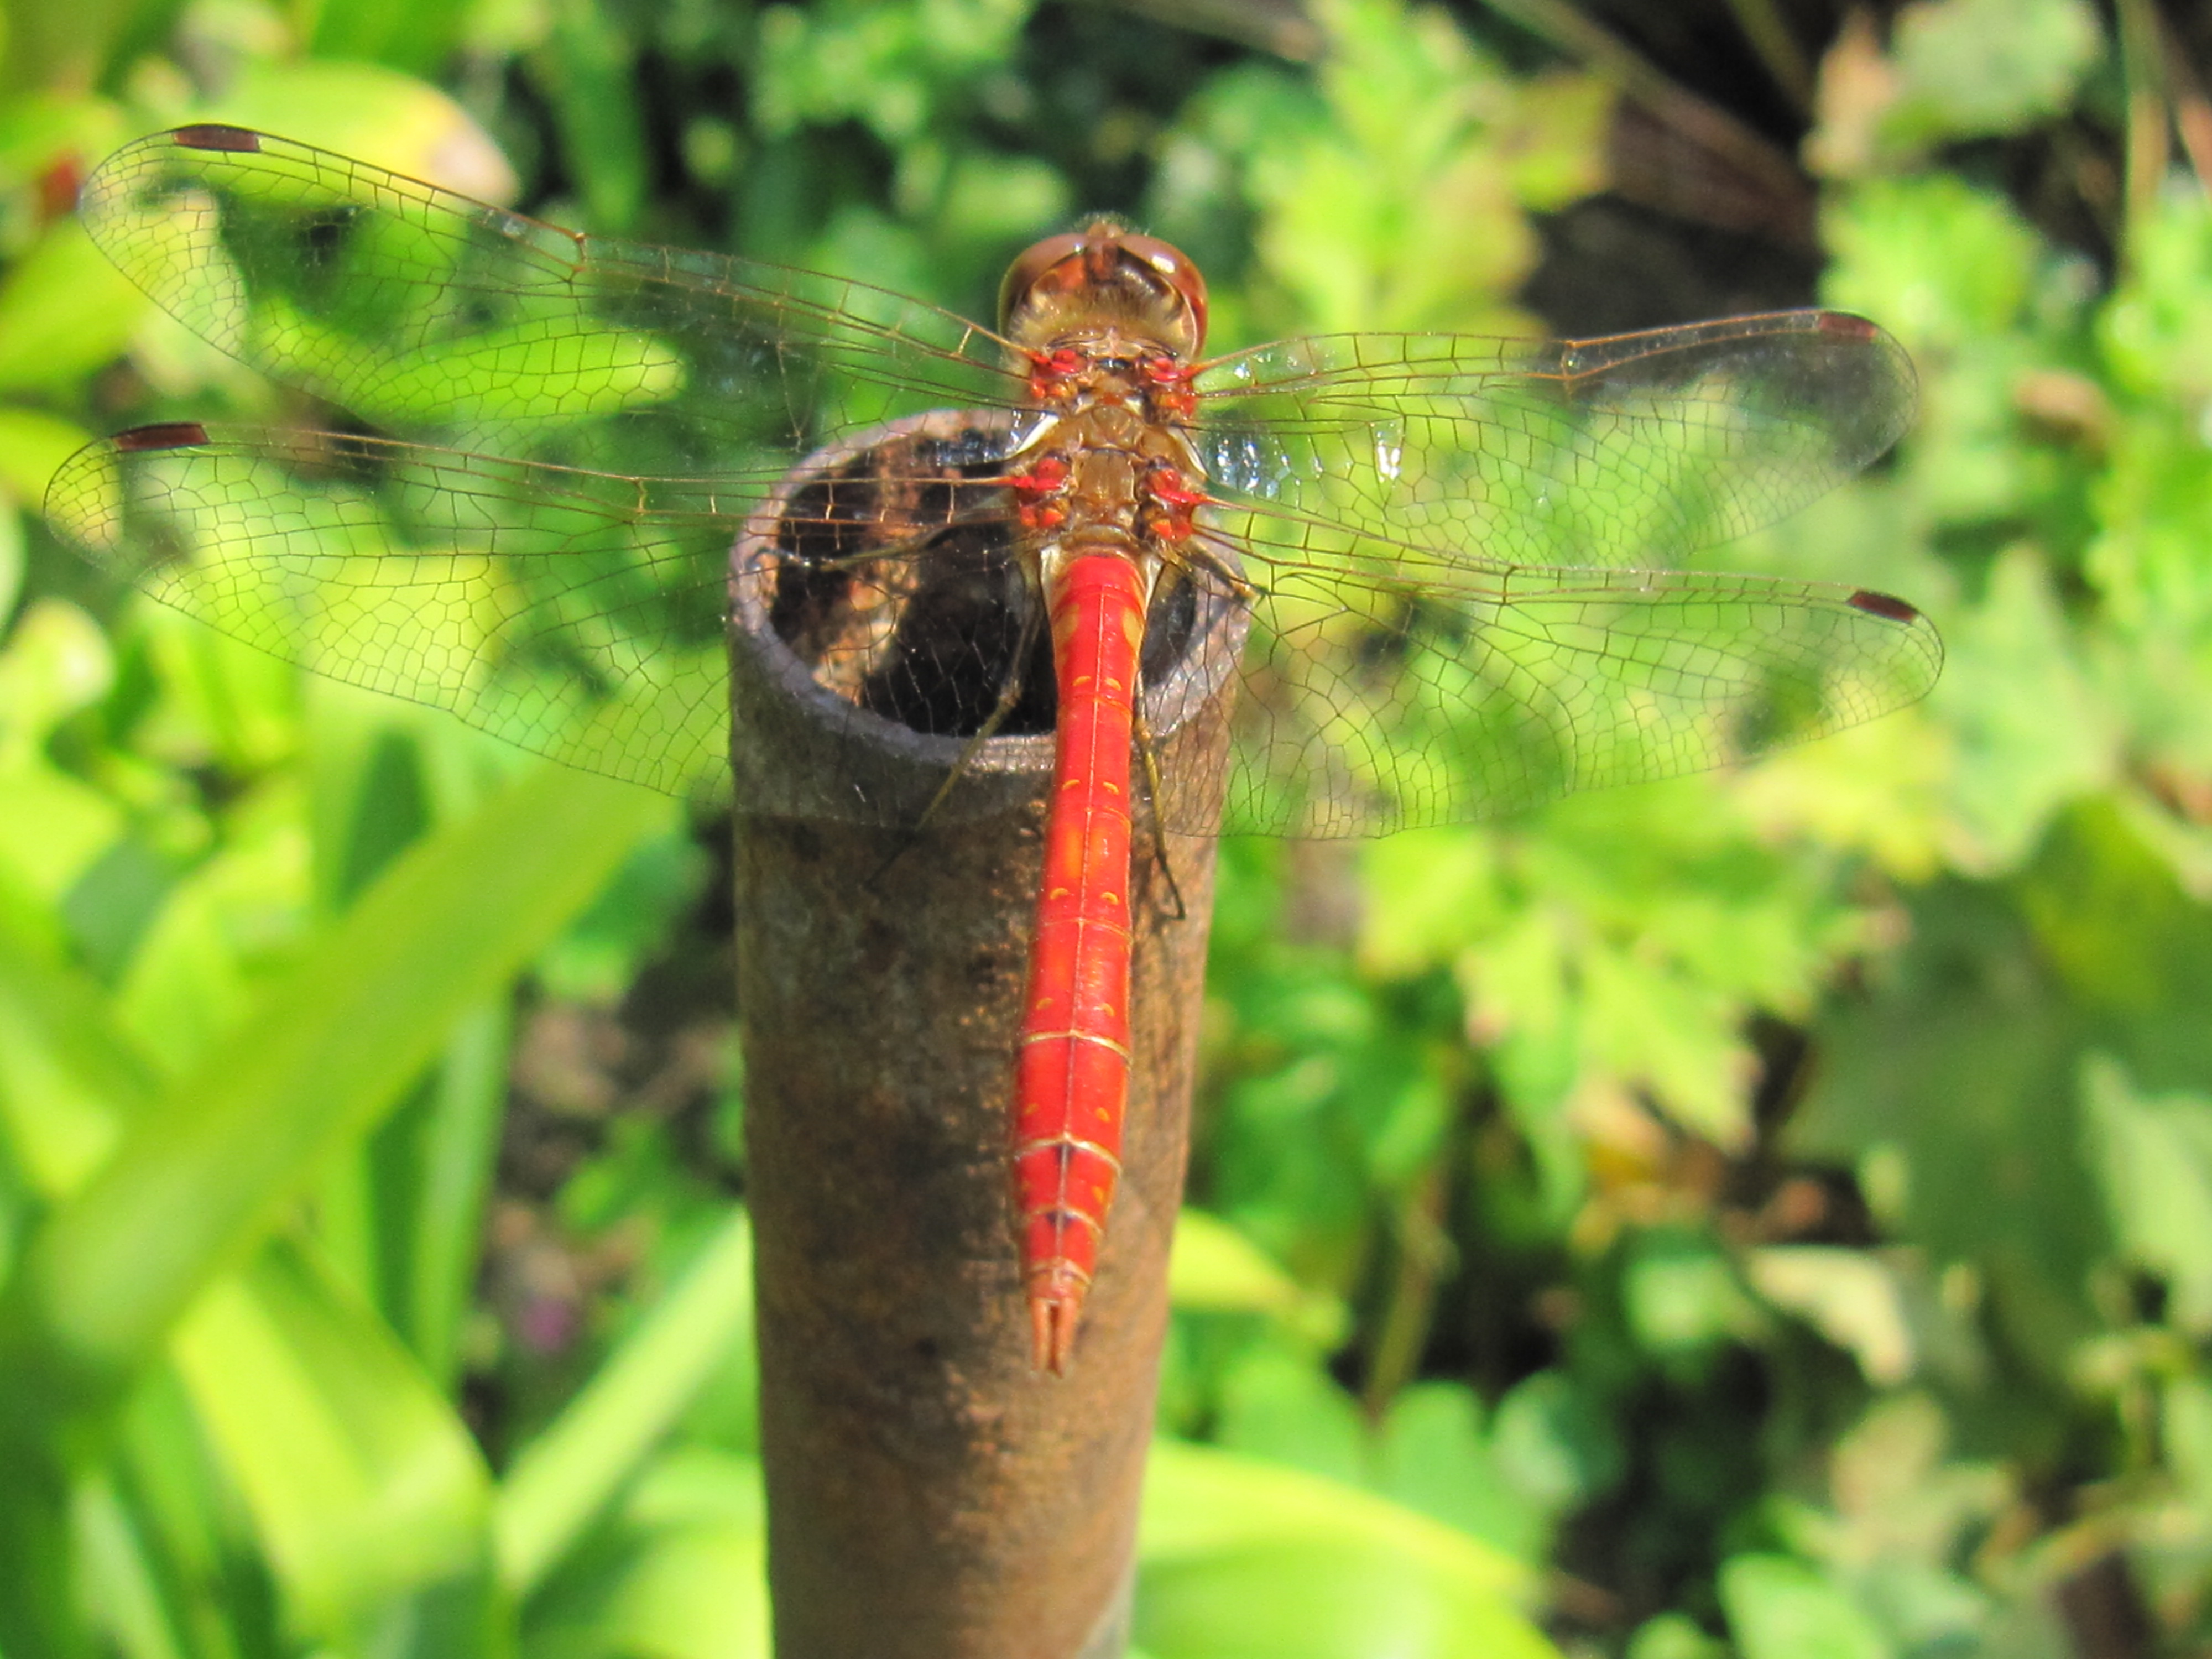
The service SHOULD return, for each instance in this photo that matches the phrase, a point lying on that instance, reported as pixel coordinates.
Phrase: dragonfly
(1455, 562)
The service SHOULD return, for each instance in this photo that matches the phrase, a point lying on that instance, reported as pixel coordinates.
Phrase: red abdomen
(1073, 1073)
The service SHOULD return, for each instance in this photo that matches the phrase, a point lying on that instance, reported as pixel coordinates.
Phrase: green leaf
(563, 1478)
(2186, 1412)
(448, 1184)
(367, 110)
(587, 63)
(69, 1079)
(1215, 1268)
(207, 955)
(204, 1174)
(417, 36)
(1780, 1608)
(365, 1490)
(33, 446)
(1552, 1444)
(1970, 69)
(1940, 262)
(1681, 1295)
(1672, 1636)
(2020, 758)
(1283, 1406)
(2154, 1158)
(1955, 1071)
(1244, 1559)
(65, 311)
(684, 1576)
(118, 1567)
(52, 824)
(1434, 1455)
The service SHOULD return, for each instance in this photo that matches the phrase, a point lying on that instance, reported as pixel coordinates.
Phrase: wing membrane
(581, 614)
(1382, 694)
(1631, 451)
(439, 318)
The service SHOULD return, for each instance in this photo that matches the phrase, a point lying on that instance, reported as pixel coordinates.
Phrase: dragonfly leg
(1194, 554)
(915, 542)
(1149, 753)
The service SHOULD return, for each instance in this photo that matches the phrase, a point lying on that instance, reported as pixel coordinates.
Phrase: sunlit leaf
(364, 1485)
(1244, 1559)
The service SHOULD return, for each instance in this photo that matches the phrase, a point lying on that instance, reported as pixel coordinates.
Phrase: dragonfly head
(1104, 277)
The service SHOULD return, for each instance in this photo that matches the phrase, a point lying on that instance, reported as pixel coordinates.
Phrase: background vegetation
(1767, 1215)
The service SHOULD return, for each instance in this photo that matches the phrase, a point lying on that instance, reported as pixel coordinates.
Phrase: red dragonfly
(1446, 553)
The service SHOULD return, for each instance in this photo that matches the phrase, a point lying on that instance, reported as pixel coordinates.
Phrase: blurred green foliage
(1766, 1215)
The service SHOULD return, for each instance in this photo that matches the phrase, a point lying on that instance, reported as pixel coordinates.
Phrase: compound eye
(1029, 268)
(1174, 267)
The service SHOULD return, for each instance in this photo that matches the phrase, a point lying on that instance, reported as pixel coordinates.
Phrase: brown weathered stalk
(929, 1494)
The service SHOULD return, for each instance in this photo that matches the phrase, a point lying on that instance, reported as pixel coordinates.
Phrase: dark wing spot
(165, 434)
(212, 136)
(1884, 604)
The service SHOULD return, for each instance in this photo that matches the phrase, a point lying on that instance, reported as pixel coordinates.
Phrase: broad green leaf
(1940, 262)
(1957, 1066)
(1244, 1559)
(1552, 1444)
(365, 1490)
(1681, 1295)
(1673, 1636)
(11, 538)
(2019, 759)
(451, 1173)
(210, 951)
(205, 1173)
(2187, 1422)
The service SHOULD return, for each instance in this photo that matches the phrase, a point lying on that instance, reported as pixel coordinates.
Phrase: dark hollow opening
(897, 583)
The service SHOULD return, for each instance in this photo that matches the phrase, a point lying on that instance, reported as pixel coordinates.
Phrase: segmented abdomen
(1073, 1073)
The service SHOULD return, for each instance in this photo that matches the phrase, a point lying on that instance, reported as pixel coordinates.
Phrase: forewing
(1631, 451)
(1383, 690)
(432, 316)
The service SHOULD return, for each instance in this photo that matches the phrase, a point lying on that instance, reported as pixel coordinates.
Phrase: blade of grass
(564, 1476)
(203, 1175)
(366, 1489)
(453, 1166)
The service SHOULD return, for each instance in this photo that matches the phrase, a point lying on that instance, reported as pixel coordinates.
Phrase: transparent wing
(577, 613)
(1409, 510)
(1385, 690)
(435, 316)
(1494, 453)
